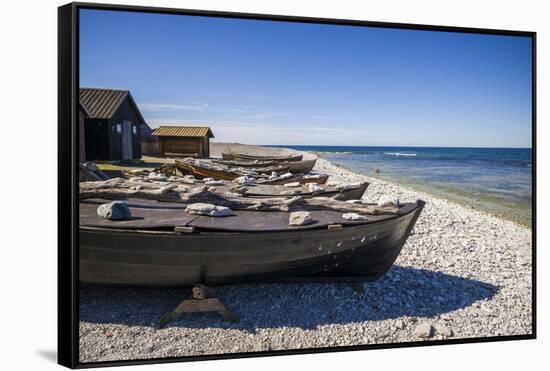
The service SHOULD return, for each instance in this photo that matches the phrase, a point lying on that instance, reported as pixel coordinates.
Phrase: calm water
(498, 180)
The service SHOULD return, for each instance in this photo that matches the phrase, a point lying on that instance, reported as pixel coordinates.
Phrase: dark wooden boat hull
(301, 166)
(162, 258)
(352, 193)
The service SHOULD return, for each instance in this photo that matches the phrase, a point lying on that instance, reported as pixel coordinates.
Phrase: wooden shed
(184, 140)
(113, 125)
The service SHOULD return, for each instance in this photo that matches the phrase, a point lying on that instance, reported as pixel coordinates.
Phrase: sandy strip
(462, 274)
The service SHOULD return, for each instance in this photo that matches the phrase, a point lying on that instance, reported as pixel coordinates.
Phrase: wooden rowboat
(304, 166)
(354, 192)
(164, 246)
(223, 173)
(243, 156)
(261, 174)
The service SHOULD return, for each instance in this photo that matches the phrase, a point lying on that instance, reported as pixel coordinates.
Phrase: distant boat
(243, 156)
(165, 246)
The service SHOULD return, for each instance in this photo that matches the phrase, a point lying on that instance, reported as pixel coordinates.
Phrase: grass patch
(149, 163)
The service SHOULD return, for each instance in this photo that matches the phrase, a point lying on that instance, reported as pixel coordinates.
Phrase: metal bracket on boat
(184, 229)
(335, 227)
(204, 300)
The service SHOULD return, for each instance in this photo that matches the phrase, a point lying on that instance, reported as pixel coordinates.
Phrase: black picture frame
(68, 85)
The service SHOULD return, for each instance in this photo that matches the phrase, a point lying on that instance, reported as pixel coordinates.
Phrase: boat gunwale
(419, 205)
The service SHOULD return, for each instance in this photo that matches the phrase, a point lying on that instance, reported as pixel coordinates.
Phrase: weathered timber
(102, 175)
(87, 174)
(172, 193)
(257, 190)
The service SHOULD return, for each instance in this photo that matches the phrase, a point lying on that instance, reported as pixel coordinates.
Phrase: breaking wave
(399, 154)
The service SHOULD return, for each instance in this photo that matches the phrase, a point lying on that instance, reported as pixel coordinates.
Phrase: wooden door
(127, 148)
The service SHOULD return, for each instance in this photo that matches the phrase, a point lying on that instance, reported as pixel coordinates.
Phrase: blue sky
(265, 82)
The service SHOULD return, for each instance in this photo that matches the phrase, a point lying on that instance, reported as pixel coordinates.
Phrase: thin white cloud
(291, 135)
(258, 97)
(163, 107)
(265, 115)
(193, 106)
(264, 133)
(155, 122)
(239, 109)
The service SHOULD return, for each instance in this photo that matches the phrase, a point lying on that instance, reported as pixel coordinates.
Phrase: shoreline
(462, 273)
(416, 188)
(411, 187)
(325, 165)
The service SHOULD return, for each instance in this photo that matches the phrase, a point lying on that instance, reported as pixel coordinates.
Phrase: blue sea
(497, 180)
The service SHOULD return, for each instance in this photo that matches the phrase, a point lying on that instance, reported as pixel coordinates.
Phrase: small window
(119, 128)
(134, 129)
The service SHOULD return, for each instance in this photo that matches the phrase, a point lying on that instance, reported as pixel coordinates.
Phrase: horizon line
(358, 146)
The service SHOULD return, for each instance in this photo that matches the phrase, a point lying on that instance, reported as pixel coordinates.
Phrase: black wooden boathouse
(113, 126)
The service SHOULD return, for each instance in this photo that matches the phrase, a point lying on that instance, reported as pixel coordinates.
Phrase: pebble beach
(462, 273)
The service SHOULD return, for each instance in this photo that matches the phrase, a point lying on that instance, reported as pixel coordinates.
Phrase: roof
(83, 108)
(183, 131)
(103, 103)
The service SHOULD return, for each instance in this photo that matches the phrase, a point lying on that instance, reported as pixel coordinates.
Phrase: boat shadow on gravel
(401, 292)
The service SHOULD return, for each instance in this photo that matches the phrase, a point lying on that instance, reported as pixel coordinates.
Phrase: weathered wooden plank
(120, 189)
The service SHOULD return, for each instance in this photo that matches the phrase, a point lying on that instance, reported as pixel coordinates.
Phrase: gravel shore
(461, 274)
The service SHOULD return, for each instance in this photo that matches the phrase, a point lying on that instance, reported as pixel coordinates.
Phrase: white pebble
(354, 216)
(208, 209)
